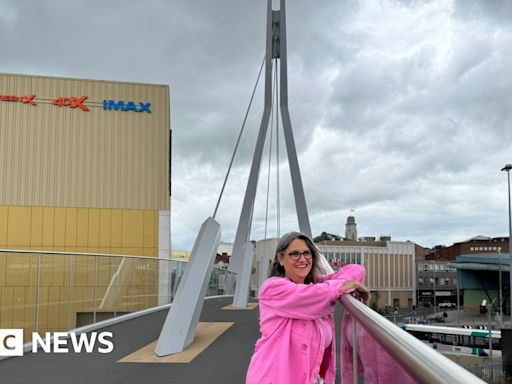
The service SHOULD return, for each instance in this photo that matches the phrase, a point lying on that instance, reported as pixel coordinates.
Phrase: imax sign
(120, 105)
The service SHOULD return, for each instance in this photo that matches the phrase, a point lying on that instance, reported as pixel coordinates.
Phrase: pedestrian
(297, 343)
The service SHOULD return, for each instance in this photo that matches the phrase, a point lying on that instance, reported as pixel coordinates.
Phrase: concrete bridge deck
(225, 360)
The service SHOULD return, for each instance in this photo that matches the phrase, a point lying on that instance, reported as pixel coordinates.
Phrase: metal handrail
(420, 361)
(95, 254)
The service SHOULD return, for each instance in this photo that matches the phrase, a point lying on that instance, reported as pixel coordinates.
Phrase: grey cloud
(492, 12)
(400, 110)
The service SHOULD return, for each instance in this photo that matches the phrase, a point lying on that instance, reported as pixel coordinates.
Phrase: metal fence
(56, 291)
(489, 370)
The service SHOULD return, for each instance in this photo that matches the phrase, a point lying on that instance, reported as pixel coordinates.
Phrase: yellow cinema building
(84, 173)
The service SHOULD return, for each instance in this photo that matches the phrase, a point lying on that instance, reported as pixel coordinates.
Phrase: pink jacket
(290, 349)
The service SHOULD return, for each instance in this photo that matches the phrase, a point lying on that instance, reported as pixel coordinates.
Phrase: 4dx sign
(72, 102)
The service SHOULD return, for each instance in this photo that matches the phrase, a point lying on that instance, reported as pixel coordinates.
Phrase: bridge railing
(377, 351)
(44, 291)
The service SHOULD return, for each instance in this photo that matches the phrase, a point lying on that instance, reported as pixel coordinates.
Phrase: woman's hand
(361, 292)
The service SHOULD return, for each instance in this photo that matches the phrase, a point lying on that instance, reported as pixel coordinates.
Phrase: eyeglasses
(295, 255)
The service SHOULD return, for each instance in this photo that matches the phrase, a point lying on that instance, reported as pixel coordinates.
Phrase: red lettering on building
(71, 102)
(27, 99)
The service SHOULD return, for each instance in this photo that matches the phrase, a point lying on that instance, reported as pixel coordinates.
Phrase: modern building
(264, 254)
(469, 269)
(436, 277)
(390, 268)
(226, 248)
(224, 252)
(483, 271)
(390, 265)
(84, 168)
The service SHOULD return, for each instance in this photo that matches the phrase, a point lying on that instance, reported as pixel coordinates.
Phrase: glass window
(420, 280)
(431, 280)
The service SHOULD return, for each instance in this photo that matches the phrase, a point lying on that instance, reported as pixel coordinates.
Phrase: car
(447, 304)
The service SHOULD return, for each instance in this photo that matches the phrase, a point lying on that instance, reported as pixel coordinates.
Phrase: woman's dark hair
(284, 243)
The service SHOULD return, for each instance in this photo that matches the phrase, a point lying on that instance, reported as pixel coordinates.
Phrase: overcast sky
(401, 110)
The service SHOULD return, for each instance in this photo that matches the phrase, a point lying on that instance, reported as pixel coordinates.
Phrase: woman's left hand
(361, 292)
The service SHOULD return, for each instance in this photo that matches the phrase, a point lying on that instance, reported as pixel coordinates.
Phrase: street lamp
(507, 168)
(500, 286)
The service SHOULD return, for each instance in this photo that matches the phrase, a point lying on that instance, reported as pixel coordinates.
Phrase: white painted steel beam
(298, 190)
(244, 224)
(276, 43)
(243, 280)
(181, 322)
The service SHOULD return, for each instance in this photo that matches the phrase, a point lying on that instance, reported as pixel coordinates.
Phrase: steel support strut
(241, 260)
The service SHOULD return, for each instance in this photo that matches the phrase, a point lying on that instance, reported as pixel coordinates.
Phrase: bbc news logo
(11, 342)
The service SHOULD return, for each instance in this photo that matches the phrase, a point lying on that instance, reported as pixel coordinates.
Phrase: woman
(296, 322)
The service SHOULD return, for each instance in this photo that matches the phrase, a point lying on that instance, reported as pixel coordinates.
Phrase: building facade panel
(133, 232)
(53, 155)
(389, 265)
